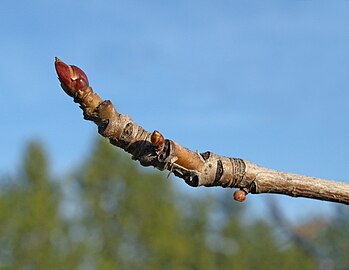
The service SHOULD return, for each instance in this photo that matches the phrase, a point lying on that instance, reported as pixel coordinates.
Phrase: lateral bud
(240, 195)
(157, 139)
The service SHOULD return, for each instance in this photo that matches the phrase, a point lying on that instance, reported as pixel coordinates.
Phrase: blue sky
(266, 81)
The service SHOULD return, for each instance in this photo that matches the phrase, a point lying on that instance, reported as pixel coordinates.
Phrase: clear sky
(266, 81)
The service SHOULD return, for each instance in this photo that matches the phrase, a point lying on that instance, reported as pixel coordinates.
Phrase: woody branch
(197, 169)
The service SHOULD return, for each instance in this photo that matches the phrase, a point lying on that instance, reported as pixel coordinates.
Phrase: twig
(197, 169)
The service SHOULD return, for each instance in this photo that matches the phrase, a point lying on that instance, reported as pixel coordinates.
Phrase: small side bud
(240, 195)
(157, 139)
(72, 78)
(79, 79)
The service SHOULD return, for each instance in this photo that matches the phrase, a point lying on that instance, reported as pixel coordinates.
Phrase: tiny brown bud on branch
(157, 139)
(240, 195)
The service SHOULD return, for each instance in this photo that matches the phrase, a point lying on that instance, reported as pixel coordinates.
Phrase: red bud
(64, 72)
(72, 78)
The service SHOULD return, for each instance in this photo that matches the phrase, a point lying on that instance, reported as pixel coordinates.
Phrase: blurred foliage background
(112, 214)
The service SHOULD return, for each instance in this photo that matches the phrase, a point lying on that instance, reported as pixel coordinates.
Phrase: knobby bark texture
(197, 169)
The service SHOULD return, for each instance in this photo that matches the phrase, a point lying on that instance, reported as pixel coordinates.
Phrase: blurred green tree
(332, 240)
(31, 233)
(131, 217)
(113, 214)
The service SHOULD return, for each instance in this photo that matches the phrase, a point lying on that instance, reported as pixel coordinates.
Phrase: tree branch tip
(72, 78)
(197, 169)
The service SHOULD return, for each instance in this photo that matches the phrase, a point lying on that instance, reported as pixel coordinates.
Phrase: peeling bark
(197, 169)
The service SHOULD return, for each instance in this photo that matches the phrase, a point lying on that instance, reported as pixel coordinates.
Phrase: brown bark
(197, 169)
